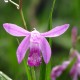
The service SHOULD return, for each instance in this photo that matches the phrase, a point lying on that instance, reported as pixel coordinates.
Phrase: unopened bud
(74, 36)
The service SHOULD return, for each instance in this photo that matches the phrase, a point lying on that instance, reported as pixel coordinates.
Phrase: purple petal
(34, 58)
(57, 31)
(53, 78)
(15, 30)
(45, 49)
(74, 69)
(56, 71)
(23, 47)
(75, 77)
(78, 68)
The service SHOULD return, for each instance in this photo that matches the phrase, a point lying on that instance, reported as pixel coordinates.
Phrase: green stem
(78, 38)
(33, 73)
(24, 23)
(48, 66)
(21, 13)
(42, 71)
(27, 70)
(52, 9)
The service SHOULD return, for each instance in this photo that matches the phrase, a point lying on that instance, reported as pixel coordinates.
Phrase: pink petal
(45, 49)
(34, 58)
(57, 71)
(73, 70)
(57, 31)
(23, 47)
(78, 68)
(15, 30)
(75, 77)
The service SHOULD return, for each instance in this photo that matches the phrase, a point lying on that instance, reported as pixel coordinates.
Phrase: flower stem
(33, 73)
(27, 70)
(21, 13)
(42, 71)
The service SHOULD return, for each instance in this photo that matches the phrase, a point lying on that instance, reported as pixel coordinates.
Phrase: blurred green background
(36, 13)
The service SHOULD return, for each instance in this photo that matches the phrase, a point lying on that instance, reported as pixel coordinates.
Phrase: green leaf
(27, 70)
(48, 66)
(4, 76)
(33, 73)
(65, 74)
(42, 71)
(48, 71)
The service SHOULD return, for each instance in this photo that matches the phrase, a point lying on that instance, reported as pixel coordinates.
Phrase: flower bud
(74, 36)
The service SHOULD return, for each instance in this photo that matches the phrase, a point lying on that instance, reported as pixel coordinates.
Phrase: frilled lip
(34, 58)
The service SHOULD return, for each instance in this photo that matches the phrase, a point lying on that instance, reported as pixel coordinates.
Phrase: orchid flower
(74, 72)
(57, 70)
(35, 41)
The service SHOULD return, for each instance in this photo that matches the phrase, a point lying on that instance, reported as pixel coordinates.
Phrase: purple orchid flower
(57, 70)
(35, 41)
(74, 72)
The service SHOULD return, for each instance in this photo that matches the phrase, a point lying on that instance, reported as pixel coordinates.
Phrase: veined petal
(57, 31)
(15, 30)
(34, 58)
(23, 47)
(45, 49)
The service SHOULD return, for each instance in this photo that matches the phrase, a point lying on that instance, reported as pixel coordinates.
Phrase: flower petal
(45, 49)
(78, 68)
(15, 30)
(34, 58)
(57, 71)
(73, 70)
(23, 47)
(75, 77)
(57, 31)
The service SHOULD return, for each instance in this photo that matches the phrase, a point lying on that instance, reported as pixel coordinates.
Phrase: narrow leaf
(48, 66)
(4, 76)
(27, 71)
(42, 71)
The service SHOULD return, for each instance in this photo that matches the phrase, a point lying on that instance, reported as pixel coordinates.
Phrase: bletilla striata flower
(57, 70)
(74, 72)
(35, 41)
